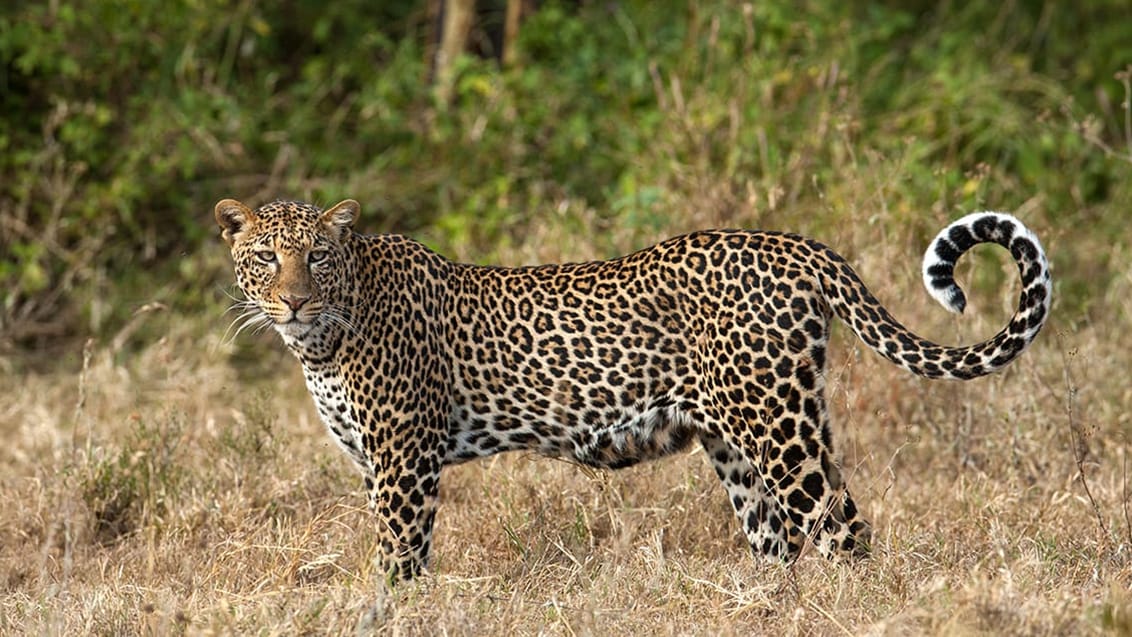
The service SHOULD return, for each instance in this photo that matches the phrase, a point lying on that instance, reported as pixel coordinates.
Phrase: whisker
(242, 305)
(246, 316)
(338, 316)
(255, 320)
(250, 315)
(262, 326)
(232, 296)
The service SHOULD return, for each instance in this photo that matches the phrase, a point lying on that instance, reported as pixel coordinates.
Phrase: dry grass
(164, 490)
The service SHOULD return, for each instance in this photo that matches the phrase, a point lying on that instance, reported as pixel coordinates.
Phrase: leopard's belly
(611, 437)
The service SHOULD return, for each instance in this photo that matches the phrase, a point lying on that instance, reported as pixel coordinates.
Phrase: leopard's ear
(233, 218)
(340, 218)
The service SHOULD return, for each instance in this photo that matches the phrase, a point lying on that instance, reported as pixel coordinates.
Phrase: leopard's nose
(294, 301)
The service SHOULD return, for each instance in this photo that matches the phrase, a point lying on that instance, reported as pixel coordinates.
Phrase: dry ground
(184, 485)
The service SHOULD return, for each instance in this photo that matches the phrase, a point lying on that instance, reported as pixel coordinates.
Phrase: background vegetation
(165, 479)
(125, 120)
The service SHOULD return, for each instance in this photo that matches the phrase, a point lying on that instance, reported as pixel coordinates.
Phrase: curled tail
(853, 303)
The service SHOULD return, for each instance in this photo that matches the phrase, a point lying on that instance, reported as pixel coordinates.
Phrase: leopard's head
(291, 262)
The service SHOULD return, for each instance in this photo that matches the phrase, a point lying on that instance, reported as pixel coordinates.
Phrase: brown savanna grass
(183, 485)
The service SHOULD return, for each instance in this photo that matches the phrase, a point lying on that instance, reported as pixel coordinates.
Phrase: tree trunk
(511, 31)
(456, 23)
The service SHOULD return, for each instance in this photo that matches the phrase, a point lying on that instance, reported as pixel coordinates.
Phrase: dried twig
(1077, 432)
(1091, 128)
(80, 404)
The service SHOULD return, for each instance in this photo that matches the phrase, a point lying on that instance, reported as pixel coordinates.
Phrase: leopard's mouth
(295, 327)
(295, 324)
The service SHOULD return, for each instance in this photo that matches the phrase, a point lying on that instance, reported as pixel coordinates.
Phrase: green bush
(125, 120)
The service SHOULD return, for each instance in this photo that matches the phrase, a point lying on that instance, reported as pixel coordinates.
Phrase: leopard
(717, 337)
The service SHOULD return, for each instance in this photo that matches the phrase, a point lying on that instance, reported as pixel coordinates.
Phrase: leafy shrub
(126, 120)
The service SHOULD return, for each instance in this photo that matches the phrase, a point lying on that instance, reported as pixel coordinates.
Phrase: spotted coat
(717, 337)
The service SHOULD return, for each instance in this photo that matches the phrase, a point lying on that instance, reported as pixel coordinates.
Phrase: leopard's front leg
(403, 494)
(400, 403)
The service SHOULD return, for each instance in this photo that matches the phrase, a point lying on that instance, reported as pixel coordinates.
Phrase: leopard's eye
(267, 256)
(317, 256)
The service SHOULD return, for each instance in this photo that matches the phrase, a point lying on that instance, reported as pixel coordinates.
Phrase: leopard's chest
(336, 410)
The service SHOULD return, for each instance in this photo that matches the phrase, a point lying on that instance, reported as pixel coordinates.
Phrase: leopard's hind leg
(778, 419)
(770, 532)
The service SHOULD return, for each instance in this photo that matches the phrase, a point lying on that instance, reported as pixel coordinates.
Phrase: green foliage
(125, 120)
